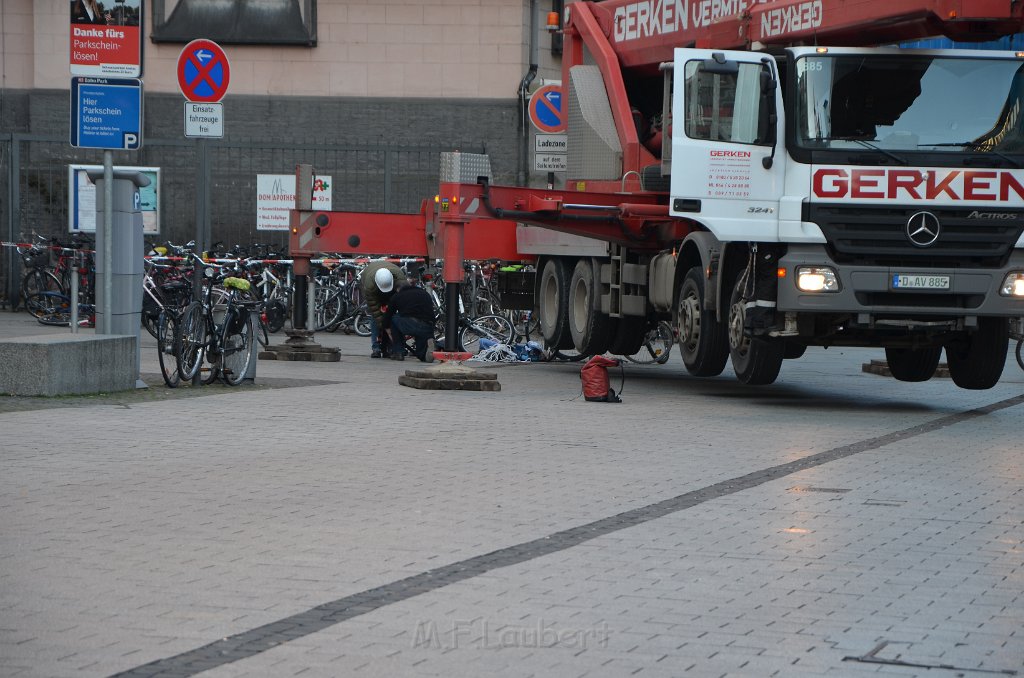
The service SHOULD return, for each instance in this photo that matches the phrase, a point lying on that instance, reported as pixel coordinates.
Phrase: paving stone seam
(257, 640)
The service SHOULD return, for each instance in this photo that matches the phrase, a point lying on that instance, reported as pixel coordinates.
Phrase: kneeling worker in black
(411, 313)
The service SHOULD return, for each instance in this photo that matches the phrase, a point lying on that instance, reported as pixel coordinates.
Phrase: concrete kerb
(67, 364)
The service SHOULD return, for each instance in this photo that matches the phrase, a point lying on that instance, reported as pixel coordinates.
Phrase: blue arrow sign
(106, 113)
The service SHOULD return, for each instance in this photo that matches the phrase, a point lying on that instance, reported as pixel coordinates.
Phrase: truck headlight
(816, 279)
(1013, 285)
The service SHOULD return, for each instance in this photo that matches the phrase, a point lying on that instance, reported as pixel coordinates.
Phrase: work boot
(397, 356)
(428, 352)
(376, 353)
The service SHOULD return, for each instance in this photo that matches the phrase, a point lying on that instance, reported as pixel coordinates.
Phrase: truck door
(727, 125)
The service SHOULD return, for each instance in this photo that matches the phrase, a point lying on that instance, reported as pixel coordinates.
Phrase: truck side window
(723, 107)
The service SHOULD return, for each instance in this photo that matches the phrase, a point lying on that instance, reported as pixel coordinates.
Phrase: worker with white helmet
(379, 281)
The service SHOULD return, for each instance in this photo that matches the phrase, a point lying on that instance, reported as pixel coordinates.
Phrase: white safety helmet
(384, 279)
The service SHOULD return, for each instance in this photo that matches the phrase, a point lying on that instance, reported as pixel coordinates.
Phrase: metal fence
(365, 178)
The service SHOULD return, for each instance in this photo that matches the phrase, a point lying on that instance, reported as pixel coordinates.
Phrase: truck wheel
(913, 364)
(553, 305)
(756, 361)
(978, 362)
(702, 338)
(590, 329)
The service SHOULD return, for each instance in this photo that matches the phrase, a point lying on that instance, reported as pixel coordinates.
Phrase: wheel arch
(702, 249)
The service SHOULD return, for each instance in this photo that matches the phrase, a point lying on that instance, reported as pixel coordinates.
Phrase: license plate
(920, 282)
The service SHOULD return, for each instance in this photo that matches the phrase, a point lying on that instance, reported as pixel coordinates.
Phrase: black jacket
(410, 302)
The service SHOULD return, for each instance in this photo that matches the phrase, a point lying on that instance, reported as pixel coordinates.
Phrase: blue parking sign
(106, 113)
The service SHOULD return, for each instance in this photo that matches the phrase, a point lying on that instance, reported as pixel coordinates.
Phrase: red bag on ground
(595, 380)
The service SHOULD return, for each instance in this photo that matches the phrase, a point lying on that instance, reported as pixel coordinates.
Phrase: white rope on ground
(499, 353)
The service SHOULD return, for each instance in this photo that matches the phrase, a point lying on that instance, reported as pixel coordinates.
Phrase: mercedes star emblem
(923, 229)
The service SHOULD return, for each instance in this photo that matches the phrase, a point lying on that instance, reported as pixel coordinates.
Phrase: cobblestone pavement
(328, 522)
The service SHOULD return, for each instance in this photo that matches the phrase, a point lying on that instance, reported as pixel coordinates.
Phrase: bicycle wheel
(40, 280)
(1020, 355)
(192, 337)
(166, 328)
(210, 370)
(236, 348)
(150, 324)
(526, 324)
(262, 331)
(361, 323)
(493, 327)
(656, 347)
(37, 281)
(276, 312)
(49, 308)
(330, 305)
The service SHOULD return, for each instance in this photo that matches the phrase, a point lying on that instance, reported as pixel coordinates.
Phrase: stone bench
(67, 364)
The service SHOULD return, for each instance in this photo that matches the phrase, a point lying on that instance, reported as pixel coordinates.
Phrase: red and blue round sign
(203, 71)
(546, 111)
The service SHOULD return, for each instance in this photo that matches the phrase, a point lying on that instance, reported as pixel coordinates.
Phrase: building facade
(369, 92)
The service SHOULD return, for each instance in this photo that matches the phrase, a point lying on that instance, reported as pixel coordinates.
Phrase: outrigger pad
(448, 377)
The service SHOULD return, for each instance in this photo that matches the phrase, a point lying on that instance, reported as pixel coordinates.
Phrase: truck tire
(977, 363)
(913, 364)
(553, 304)
(703, 341)
(590, 329)
(756, 361)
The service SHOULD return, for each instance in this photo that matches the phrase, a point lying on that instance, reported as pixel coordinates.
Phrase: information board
(82, 199)
(275, 196)
(106, 113)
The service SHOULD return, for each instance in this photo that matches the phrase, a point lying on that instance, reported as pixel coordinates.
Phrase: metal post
(202, 198)
(300, 306)
(108, 242)
(311, 304)
(198, 272)
(388, 166)
(13, 218)
(74, 293)
(197, 295)
(472, 310)
(301, 319)
(451, 320)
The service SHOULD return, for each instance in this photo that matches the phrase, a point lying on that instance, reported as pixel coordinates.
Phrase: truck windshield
(910, 102)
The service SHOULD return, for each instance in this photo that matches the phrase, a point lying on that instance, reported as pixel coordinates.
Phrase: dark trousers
(420, 330)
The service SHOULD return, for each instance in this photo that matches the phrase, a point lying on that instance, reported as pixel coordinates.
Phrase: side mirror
(719, 65)
(768, 117)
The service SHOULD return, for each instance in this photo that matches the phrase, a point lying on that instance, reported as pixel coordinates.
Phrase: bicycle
(222, 334)
(334, 295)
(493, 327)
(275, 291)
(166, 335)
(164, 286)
(37, 278)
(54, 308)
(657, 345)
(478, 293)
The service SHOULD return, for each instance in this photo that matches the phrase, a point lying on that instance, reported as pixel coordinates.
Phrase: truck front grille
(877, 236)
